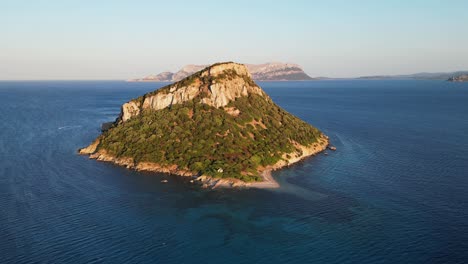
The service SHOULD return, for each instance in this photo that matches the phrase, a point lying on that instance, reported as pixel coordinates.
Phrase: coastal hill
(459, 78)
(261, 72)
(217, 126)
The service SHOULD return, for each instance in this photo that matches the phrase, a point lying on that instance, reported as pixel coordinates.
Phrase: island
(459, 78)
(217, 127)
(273, 71)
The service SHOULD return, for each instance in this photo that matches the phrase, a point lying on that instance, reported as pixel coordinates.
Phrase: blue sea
(395, 191)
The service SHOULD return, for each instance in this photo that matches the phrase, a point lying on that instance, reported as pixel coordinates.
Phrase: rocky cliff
(216, 125)
(275, 71)
(217, 85)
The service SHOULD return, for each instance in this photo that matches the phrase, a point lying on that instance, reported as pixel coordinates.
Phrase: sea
(394, 191)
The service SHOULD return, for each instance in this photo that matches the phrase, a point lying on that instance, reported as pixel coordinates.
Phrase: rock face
(275, 71)
(216, 125)
(459, 78)
(130, 109)
(220, 93)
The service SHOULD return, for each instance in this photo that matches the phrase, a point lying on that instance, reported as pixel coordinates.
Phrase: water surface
(393, 192)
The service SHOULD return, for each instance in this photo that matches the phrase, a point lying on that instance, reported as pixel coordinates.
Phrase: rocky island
(459, 78)
(274, 71)
(216, 126)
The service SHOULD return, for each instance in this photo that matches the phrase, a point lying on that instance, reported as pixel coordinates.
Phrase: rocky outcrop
(90, 149)
(220, 84)
(459, 78)
(130, 109)
(275, 71)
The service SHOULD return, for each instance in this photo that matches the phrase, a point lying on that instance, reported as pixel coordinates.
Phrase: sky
(107, 40)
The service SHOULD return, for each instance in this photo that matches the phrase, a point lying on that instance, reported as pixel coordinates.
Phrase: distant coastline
(459, 78)
(416, 76)
(274, 71)
(283, 72)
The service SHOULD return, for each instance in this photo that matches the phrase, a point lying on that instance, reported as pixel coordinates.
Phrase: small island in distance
(216, 126)
(274, 71)
(459, 78)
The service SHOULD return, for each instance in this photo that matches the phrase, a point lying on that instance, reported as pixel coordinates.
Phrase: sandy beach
(267, 183)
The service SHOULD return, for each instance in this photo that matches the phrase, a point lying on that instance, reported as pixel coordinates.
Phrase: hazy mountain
(275, 71)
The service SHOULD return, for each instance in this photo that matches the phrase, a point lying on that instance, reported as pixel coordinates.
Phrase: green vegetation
(204, 139)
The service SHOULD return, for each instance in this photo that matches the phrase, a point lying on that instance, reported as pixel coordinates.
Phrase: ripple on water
(393, 192)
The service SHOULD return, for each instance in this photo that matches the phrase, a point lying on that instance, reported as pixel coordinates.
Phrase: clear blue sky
(121, 39)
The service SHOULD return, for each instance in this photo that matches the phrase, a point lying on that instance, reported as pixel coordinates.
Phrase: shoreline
(270, 182)
(206, 181)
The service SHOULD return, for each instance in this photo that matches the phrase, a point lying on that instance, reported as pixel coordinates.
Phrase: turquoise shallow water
(395, 191)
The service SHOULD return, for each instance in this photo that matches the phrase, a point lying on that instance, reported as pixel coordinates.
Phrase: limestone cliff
(218, 85)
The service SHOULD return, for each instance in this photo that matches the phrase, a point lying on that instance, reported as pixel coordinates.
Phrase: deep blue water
(395, 191)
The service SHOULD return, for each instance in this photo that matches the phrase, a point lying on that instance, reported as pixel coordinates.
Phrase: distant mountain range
(418, 76)
(275, 71)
